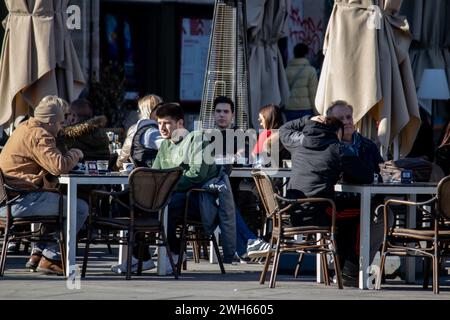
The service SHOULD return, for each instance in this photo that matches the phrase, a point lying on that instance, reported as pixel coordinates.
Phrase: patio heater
(227, 71)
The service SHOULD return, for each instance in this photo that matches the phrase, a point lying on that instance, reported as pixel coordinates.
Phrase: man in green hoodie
(181, 149)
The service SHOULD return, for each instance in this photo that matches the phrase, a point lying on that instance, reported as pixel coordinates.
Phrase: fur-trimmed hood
(85, 127)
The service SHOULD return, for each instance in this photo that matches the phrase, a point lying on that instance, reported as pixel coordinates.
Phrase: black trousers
(347, 242)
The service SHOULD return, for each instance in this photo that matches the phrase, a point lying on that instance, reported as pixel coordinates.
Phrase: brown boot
(34, 260)
(48, 266)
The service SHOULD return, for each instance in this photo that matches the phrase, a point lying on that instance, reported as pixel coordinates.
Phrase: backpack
(142, 156)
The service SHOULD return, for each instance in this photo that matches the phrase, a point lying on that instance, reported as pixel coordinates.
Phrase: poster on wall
(306, 26)
(195, 36)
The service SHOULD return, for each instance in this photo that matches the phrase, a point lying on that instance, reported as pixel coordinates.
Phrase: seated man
(179, 148)
(88, 133)
(247, 243)
(318, 161)
(184, 149)
(348, 204)
(29, 155)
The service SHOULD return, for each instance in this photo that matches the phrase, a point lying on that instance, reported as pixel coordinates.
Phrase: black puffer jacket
(319, 159)
(88, 136)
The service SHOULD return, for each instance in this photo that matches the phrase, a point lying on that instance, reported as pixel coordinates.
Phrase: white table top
(384, 188)
(389, 188)
(94, 179)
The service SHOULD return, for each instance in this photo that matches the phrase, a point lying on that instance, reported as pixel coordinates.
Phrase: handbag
(421, 169)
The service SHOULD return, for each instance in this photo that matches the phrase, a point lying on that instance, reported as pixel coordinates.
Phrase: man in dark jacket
(348, 204)
(88, 134)
(247, 243)
(319, 160)
(364, 148)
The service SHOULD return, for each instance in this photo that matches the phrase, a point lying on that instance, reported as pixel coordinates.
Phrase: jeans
(217, 209)
(243, 234)
(294, 115)
(46, 204)
(176, 213)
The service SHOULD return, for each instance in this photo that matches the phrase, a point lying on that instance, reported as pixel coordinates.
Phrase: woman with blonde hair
(143, 138)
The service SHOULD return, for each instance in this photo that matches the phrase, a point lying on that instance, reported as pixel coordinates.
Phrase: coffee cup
(128, 166)
(102, 165)
(224, 160)
(241, 160)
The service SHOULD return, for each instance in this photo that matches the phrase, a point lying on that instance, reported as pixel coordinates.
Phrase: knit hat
(50, 110)
(19, 120)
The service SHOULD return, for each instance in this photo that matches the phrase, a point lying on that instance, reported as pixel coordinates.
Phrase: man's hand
(179, 134)
(320, 119)
(78, 153)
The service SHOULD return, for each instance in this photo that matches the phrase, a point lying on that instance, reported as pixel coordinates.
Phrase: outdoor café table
(271, 172)
(72, 181)
(366, 191)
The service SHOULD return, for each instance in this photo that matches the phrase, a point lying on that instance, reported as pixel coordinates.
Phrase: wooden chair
(19, 228)
(283, 237)
(193, 231)
(149, 192)
(402, 241)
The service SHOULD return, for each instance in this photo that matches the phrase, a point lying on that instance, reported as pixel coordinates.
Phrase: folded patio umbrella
(367, 64)
(267, 23)
(430, 24)
(38, 57)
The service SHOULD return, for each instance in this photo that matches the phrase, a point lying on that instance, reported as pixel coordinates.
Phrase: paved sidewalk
(200, 282)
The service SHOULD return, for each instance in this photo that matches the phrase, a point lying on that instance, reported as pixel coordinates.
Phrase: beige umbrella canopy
(430, 21)
(38, 57)
(367, 64)
(268, 23)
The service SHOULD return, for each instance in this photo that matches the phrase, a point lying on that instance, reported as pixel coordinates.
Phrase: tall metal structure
(227, 71)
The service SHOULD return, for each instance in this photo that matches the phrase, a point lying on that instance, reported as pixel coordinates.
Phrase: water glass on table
(128, 167)
(387, 177)
(102, 165)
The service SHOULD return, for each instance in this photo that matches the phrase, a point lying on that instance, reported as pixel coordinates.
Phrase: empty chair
(401, 241)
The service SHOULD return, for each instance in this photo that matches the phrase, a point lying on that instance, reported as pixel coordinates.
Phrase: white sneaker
(257, 248)
(122, 268)
(175, 258)
(169, 269)
(12, 247)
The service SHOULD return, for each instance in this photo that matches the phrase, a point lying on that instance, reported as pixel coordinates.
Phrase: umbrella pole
(246, 58)
(396, 149)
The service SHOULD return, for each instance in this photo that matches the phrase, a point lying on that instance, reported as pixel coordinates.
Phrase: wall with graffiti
(307, 25)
